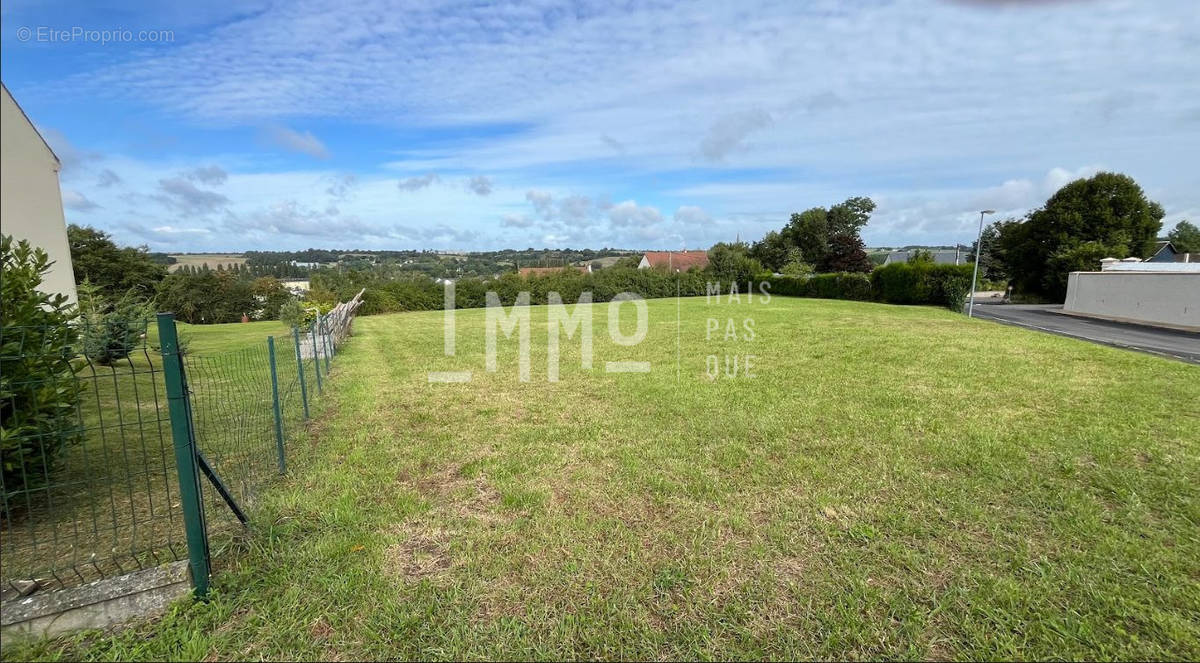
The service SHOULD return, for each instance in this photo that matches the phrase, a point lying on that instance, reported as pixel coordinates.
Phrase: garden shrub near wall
(38, 391)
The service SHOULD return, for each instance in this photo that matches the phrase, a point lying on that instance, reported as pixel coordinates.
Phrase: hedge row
(907, 283)
(424, 294)
(901, 283)
(843, 285)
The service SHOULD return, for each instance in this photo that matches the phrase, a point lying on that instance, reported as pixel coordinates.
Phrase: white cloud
(516, 221)
(107, 178)
(77, 201)
(207, 175)
(417, 183)
(542, 202)
(172, 230)
(728, 132)
(180, 194)
(295, 141)
(629, 213)
(341, 186)
(481, 185)
(690, 215)
(70, 157)
(952, 106)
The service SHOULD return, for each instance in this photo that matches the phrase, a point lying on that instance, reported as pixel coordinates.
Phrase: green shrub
(843, 285)
(302, 314)
(111, 330)
(922, 282)
(291, 313)
(38, 389)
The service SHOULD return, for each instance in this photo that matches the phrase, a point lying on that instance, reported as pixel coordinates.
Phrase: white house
(30, 201)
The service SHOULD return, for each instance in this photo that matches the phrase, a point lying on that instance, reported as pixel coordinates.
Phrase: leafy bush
(38, 390)
(843, 285)
(922, 282)
(291, 313)
(302, 314)
(111, 330)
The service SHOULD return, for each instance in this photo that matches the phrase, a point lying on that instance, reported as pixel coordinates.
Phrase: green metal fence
(161, 450)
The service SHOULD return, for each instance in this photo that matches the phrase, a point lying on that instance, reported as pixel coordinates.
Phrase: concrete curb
(99, 604)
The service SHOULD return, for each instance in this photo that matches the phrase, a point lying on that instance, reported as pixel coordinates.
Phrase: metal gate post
(275, 401)
(183, 437)
(300, 370)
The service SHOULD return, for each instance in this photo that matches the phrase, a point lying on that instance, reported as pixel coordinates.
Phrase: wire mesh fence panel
(234, 422)
(90, 485)
(89, 488)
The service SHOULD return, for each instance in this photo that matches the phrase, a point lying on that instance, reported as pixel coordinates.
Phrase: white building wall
(1122, 266)
(30, 200)
(1162, 298)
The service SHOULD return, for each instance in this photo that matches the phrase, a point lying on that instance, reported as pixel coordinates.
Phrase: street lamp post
(978, 250)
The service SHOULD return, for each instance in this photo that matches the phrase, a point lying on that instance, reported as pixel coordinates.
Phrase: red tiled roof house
(674, 261)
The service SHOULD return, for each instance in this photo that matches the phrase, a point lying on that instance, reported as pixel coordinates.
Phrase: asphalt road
(1181, 345)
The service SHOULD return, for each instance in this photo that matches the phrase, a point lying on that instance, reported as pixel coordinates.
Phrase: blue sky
(470, 125)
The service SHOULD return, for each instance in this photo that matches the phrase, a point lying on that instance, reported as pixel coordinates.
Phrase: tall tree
(991, 261)
(732, 262)
(809, 232)
(1108, 212)
(1185, 237)
(772, 250)
(116, 270)
(849, 217)
(207, 297)
(846, 254)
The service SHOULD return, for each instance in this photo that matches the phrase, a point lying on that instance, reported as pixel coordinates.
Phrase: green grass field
(893, 483)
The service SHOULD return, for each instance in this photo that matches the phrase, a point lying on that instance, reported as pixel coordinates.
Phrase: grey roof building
(940, 256)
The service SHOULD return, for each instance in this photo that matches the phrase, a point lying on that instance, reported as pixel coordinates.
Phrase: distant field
(893, 483)
(212, 259)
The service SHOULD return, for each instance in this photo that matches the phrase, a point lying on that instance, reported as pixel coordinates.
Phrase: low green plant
(291, 313)
(38, 389)
(111, 330)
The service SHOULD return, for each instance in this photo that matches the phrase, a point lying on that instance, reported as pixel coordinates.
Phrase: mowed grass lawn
(893, 483)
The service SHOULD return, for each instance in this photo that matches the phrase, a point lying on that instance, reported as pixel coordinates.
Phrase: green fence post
(325, 342)
(300, 371)
(184, 440)
(316, 357)
(275, 398)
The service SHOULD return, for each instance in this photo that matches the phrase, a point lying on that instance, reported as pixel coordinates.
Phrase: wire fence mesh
(90, 487)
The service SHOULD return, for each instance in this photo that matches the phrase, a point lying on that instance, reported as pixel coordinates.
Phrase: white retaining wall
(1159, 298)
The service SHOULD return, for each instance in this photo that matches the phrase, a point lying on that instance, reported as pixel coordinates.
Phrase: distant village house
(674, 261)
